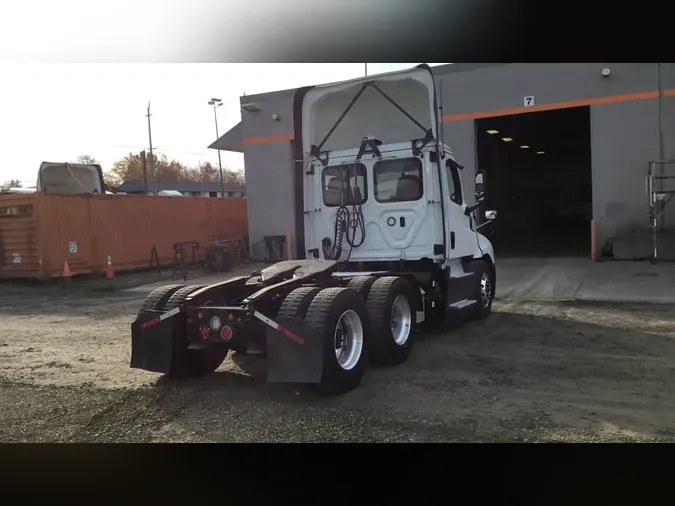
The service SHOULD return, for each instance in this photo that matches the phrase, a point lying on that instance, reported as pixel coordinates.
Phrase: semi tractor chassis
(315, 324)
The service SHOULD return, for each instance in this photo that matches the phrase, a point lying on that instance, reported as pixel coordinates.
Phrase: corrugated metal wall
(19, 246)
(85, 229)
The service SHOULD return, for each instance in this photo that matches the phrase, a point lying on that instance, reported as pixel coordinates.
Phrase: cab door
(460, 229)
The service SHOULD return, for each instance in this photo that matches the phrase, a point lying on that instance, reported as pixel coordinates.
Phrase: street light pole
(215, 103)
(152, 157)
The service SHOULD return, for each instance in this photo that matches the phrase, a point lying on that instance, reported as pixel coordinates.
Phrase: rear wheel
(340, 318)
(393, 320)
(180, 295)
(296, 303)
(156, 300)
(187, 363)
(362, 284)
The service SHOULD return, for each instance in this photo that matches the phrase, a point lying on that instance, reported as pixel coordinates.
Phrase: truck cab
(394, 203)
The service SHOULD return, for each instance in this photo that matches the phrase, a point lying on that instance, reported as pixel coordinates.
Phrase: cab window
(344, 185)
(454, 182)
(398, 180)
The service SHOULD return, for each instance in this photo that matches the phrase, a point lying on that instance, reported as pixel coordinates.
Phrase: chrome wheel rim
(348, 339)
(485, 290)
(401, 320)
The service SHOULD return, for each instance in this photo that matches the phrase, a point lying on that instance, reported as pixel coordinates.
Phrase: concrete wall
(624, 135)
(268, 160)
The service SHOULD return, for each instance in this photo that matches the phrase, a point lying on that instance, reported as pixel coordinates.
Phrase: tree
(12, 183)
(130, 168)
(205, 172)
(231, 177)
(86, 160)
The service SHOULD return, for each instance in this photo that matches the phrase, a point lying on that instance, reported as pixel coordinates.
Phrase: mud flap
(291, 361)
(152, 343)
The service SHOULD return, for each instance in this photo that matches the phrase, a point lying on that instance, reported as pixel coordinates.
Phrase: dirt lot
(533, 372)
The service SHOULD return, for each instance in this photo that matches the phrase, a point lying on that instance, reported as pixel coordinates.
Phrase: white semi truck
(391, 244)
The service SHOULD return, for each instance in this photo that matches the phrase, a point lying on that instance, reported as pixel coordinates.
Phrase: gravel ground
(533, 372)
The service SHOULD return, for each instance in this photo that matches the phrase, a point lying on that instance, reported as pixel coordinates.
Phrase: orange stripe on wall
(274, 138)
(614, 99)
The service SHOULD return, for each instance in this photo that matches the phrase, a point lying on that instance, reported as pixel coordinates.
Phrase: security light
(250, 107)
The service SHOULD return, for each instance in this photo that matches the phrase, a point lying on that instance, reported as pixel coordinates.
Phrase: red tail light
(226, 333)
(205, 332)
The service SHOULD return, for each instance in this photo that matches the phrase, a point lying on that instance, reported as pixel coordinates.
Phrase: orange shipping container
(40, 232)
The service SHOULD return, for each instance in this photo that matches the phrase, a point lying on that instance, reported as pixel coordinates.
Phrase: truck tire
(362, 284)
(340, 318)
(156, 300)
(187, 363)
(296, 303)
(179, 296)
(393, 320)
(484, 290)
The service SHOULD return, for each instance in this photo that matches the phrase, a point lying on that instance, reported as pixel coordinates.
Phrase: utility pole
(215, 103)
(145, 171)
(152, 158)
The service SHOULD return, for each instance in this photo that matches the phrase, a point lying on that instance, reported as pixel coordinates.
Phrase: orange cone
(66, 270)
(109, 272)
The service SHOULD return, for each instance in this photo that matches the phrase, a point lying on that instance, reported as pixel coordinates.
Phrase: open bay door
(369, 195)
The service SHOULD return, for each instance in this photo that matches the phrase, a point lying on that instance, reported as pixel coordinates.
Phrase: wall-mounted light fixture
(251, 107)
(606, 72)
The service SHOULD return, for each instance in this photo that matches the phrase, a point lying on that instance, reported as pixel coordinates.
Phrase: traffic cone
(109, 272)
(66, 275)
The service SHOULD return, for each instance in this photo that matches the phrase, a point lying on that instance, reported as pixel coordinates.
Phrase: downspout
(662, 155)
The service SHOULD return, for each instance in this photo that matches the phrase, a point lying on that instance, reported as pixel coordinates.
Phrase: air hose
(347, 225)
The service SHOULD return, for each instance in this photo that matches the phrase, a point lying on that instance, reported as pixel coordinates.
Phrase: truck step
(461, 304)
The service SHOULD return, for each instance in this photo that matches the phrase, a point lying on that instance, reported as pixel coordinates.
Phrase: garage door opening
(538, 171)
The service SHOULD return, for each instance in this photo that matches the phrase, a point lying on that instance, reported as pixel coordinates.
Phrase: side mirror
(490, 215)
(480, 185)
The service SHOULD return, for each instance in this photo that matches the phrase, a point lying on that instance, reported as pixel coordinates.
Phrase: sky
(56, 112)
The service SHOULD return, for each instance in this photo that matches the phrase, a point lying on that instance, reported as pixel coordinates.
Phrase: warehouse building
(565, 147)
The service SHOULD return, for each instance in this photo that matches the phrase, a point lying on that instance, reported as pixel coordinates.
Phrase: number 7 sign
(528, 101)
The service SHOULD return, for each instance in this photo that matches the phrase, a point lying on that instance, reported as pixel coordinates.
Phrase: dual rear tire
(185, 362)
(393, 317)
(372, 319)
